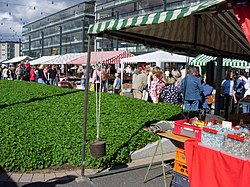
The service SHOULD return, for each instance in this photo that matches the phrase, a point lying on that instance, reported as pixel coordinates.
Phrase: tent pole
(122, 69)
(86, 106)
(218, 85)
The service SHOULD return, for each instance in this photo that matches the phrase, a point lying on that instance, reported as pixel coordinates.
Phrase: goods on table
(237, 144)
(234, 141)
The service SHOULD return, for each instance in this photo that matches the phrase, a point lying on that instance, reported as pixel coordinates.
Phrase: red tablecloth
(211, 168)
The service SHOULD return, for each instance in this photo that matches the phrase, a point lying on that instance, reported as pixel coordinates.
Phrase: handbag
(210, 99)
(92, 87)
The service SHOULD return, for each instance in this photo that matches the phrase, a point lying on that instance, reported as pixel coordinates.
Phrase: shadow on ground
(52, 182)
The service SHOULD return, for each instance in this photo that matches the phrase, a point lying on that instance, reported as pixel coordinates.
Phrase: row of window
(74, 48)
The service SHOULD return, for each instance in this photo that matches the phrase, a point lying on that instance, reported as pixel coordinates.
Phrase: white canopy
(17, 59)
(43, 60)
(157, 56)
(66, 58)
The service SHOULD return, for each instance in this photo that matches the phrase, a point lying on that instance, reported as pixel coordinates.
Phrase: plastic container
(180, 155)
(180, 180)
(180, 167)
(181, 127)
(212, 137)
(237, 146)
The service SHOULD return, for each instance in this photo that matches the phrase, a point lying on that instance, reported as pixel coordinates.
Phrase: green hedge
(41, 126)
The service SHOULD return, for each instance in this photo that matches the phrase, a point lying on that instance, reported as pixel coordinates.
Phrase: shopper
(229, 94)
(117, 84)
(191, 89)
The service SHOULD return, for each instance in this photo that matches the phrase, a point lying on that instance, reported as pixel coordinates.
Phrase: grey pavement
(130, 175)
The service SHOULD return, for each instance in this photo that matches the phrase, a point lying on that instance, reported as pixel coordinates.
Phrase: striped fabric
(102, 57)
(151, 19)
(202, 60)
(63, 59)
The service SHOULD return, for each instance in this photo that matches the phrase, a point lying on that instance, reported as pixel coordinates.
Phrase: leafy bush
(41, 126)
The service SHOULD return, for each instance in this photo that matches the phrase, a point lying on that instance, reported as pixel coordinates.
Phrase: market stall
(43, 60)
(202, 60)
(17, 59)
(209, 27)
(158, 57)
(102, 57)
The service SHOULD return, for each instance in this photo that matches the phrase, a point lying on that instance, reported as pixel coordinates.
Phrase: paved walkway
(46, 175)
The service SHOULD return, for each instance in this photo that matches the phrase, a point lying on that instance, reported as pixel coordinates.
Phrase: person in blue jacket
(191, 89)
(117, 84)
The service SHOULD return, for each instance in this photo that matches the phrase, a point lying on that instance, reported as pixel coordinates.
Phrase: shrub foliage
(41, 126)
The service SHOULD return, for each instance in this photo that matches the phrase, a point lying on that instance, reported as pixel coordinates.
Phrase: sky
(14, 14)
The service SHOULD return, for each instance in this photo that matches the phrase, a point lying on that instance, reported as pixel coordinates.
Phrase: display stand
(162, 163)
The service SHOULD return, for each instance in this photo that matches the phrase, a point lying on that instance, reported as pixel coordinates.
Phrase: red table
(212, 168)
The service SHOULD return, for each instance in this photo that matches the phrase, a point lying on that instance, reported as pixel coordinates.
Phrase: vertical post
(29, 45)
(20, 47)
(117, 17)
(83, 34)
(42, 52)
(60, 30)
(86, 106)
(218, 84)
(122, 69)
(164, 5)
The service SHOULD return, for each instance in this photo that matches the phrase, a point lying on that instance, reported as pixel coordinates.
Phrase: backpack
(104, 76)
(240, 89)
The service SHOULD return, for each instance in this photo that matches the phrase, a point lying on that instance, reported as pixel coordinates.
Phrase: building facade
(119, 9)
(59, 33)
(9, 50)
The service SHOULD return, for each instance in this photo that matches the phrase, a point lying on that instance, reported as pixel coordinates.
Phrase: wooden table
(177, 140)
(171, 136)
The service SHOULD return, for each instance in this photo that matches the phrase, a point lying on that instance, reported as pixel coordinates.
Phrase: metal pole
(165, 5)
(218, 85)
(86, 106)
(20, 47)
(29, 45)
(83, 34)
(42, 52)
(60, 27)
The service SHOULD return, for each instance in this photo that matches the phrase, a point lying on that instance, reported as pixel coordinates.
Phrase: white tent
(17, 59)
(43, 60)
(157, 56)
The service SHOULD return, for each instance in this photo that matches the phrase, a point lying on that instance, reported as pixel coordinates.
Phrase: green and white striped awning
(202, 60)
(209, 27)
(151, 19)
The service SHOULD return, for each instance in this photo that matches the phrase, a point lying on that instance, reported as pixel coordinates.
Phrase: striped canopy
(203, 59)
(207, 27)
(64, 59)
(102, 57)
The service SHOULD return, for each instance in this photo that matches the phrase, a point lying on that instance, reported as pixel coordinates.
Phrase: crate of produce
(182, 127)
(180, 167)
(180, 180)
(237, 144)
(180, 155)
(213, 136)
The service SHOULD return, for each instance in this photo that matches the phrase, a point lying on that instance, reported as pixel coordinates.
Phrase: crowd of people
(44, 74)
(235, 86)
(174, 87)
(149, 83)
